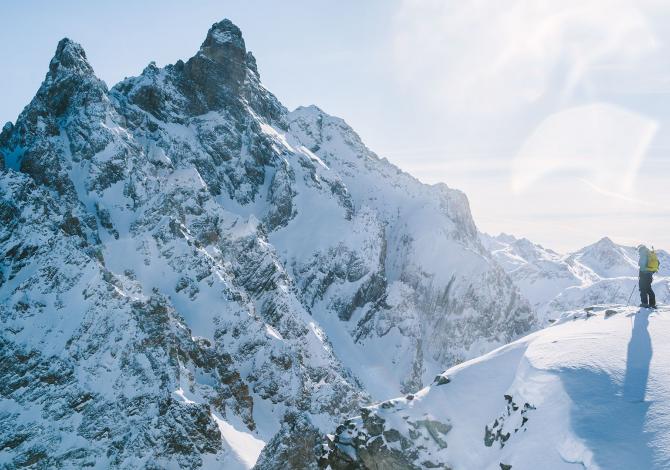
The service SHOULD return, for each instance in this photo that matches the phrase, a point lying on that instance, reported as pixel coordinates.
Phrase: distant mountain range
(601, 273)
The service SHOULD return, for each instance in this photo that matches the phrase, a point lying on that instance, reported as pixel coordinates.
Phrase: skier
(648, 266)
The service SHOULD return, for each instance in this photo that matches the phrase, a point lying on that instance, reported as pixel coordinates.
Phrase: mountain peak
(219, 68)
(225, 32)
(71, 57)
(604, 243)
(311, 109)
(224, 42)
(255, 222)
(506, 238)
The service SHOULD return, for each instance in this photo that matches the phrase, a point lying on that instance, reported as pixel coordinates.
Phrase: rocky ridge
(191, 272)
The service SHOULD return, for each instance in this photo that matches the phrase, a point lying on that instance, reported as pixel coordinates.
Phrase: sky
(551, 116)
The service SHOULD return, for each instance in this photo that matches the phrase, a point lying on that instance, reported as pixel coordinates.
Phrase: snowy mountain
(590, 392)
(192, 273)
(601, 273)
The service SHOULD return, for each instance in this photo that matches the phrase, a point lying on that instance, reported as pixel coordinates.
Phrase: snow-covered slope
(601, 273)
(191, 272)
(591, 392)
(431, 279)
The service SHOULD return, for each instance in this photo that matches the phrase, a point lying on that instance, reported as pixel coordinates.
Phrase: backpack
(652, 261)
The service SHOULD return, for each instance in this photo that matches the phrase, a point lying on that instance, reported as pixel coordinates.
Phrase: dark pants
(646, 294)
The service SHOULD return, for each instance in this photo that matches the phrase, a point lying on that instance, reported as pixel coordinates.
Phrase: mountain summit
(69, 58)
(192, 273)
(220, 65)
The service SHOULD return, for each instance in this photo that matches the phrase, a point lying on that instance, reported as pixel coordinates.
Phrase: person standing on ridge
(648, 266)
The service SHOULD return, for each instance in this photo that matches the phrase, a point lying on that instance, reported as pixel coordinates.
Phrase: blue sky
(552, 116)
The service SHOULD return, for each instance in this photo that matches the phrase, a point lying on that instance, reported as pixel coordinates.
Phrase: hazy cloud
(567, 84)
(604, 144)
(484, 56)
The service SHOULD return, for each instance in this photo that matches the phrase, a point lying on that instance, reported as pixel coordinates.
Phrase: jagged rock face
(88, 363)
(388, 436)
(297, 445)
(184, 259)
(433, 286)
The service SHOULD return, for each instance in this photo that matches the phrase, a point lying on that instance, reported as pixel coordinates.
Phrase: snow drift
(590, 392)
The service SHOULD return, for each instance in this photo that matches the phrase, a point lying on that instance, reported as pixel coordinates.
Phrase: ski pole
(630, 296)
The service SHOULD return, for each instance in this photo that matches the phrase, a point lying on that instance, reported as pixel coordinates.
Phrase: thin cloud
(603, 141)
(616, 195)
(482, 56)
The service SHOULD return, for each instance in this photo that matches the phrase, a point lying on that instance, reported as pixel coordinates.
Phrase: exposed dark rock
(500, 431)
(366, 443)
(441, 379)
(296, 445)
